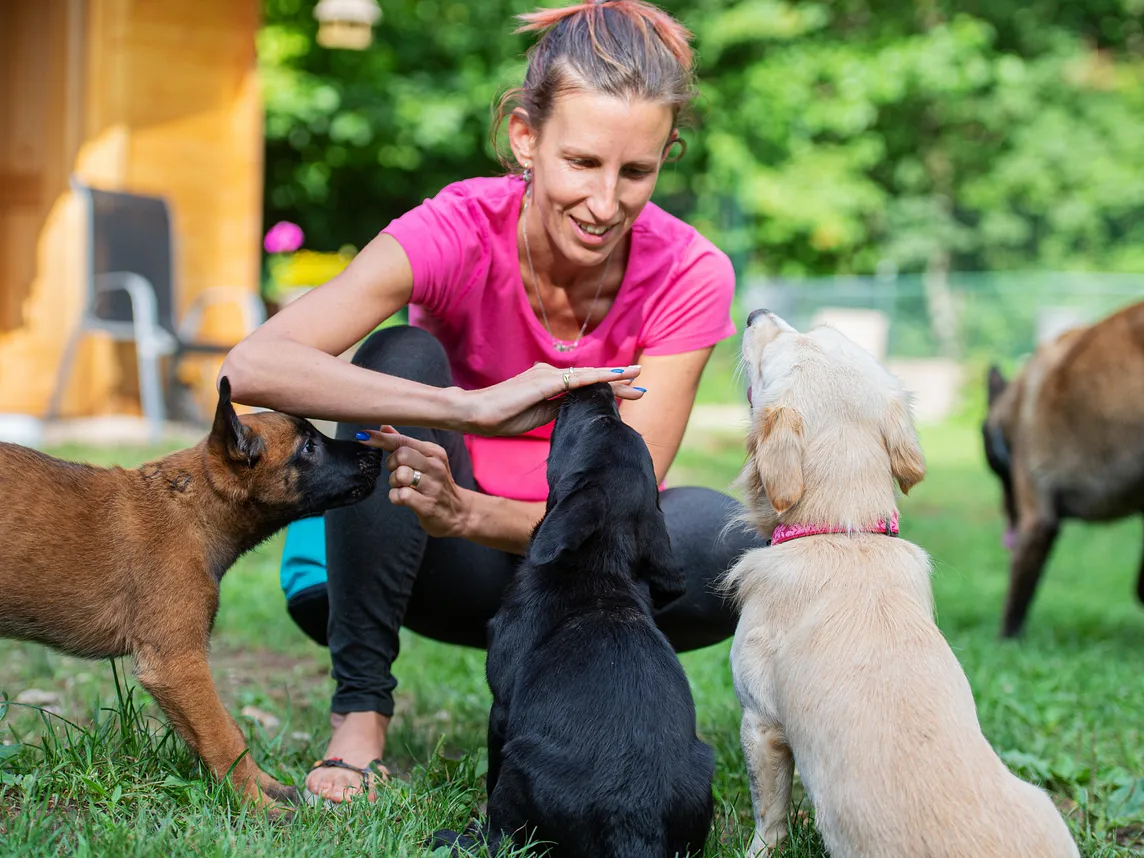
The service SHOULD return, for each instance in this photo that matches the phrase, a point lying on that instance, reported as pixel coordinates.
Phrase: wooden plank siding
(150, 96)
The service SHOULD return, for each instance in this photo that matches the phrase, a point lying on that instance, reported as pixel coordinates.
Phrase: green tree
(831, 136)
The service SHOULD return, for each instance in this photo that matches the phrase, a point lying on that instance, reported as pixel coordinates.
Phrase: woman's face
(594, 167)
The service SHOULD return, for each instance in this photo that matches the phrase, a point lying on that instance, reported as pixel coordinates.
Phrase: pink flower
(283, 237)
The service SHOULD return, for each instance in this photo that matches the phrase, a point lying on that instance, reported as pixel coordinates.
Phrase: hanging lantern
(346, 23)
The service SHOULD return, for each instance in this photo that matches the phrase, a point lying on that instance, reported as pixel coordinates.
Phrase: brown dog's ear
(996, 384)
(229, 437)
(907, 463)
(779, 449)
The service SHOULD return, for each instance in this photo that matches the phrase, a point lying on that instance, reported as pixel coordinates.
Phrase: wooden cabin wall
(165, 102)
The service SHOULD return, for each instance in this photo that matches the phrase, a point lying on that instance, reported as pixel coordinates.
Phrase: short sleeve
(694, 311)
(445, 240)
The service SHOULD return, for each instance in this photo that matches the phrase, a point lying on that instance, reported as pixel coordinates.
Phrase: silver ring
(416, 481)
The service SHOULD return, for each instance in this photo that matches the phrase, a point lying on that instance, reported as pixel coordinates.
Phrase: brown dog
(1066, 439)
(102, 563)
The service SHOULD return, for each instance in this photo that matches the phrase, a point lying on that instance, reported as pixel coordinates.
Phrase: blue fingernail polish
(617, 370)
(642, 389)
(362, 436)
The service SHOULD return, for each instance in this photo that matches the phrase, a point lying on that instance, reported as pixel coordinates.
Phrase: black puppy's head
(603, 502)
(995, 436)
(283, 466)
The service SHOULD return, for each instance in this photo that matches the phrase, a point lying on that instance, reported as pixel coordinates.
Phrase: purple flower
(283, 237)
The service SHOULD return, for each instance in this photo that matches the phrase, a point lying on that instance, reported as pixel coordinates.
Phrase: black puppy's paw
(458, 844)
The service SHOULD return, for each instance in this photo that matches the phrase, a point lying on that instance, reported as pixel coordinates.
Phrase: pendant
(563, 347)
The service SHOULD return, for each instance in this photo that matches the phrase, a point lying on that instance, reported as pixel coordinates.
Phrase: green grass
(1062, 706)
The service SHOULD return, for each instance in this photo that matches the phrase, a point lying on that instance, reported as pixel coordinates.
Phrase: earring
(527, 174)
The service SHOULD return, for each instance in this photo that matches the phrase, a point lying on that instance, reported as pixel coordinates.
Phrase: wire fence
(993, 315)
(938, 333)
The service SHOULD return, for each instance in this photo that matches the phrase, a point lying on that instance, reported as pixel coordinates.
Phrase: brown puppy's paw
(285, 794)
(280, 814)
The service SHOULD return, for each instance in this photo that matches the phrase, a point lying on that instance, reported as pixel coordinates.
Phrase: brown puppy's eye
(308, 447)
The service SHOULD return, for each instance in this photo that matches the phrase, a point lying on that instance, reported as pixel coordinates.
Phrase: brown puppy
(102, 563)
(1066, 439)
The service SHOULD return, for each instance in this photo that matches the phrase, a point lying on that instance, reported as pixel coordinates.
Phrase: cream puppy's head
(830, 429)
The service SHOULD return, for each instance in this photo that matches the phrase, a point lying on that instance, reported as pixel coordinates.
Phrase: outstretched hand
(420, 478)
(526, 401)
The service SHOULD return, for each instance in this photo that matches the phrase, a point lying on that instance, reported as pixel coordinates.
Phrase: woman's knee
(705, 541)
(706, 528)
(406, 352)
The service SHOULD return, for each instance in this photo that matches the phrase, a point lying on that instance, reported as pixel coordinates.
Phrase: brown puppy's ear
(779, 449)
(229, 437)
(907, 463)
(996, 383)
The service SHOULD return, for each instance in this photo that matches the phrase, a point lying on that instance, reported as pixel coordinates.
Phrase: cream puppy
(838, 664)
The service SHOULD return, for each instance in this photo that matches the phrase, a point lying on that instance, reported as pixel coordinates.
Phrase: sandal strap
(375, 767)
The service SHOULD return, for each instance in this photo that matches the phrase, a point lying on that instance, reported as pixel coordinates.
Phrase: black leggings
(385, 571)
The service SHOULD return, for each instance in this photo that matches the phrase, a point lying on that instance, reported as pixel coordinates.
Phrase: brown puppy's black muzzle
(369, 463)
(344, 473)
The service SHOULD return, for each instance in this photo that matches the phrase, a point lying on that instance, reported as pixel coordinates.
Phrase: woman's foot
(358, 740)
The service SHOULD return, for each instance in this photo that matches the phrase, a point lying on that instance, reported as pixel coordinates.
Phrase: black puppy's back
(600, 756)
(592, 744)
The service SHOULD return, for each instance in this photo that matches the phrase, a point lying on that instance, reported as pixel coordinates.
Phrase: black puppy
(592, 745)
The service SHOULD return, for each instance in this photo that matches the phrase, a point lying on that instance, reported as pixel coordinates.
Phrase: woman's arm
(290, 363)
(446, 509)
(502, 523)
(661, 414)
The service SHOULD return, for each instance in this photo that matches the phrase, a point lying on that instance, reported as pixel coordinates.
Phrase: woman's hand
(420, 478)
(526, 401)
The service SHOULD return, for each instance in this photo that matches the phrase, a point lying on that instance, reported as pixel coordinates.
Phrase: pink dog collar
(787, 532)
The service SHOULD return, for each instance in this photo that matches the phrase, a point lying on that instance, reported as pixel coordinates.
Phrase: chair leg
(181, 403)
(64, 372)
(151, 387)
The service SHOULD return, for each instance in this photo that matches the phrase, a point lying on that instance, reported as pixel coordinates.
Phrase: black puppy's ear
(229, 436)
(996, 384)
(665, 579)
(566, 526)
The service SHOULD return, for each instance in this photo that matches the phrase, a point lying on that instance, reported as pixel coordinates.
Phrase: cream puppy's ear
(907, 463)
(779, 449)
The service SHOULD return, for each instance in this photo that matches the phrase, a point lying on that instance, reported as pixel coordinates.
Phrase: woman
(563, 262)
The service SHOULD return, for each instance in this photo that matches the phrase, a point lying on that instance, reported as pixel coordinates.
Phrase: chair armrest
(151, 338)
(249, 303)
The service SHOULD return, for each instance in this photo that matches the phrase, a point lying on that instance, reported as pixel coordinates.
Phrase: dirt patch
(1130, 835)
(275, 679)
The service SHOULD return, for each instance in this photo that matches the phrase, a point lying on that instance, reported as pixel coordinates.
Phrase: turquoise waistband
(303, 556)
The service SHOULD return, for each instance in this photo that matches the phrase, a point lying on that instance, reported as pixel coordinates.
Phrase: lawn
(1063, 706)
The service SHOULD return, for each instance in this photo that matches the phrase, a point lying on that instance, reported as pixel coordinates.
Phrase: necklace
(558, 344)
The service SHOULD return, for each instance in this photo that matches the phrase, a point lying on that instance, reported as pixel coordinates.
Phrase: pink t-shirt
(468, 292)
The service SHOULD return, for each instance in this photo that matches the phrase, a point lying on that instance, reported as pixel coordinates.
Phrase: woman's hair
(625, 48)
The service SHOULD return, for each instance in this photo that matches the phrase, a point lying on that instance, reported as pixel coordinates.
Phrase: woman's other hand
(526, 401)
(420, 478)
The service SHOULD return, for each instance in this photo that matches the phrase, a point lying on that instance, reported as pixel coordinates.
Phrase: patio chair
(131, 297)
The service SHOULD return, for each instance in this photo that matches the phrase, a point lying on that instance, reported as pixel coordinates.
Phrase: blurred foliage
(831, 137)
(302, 269)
